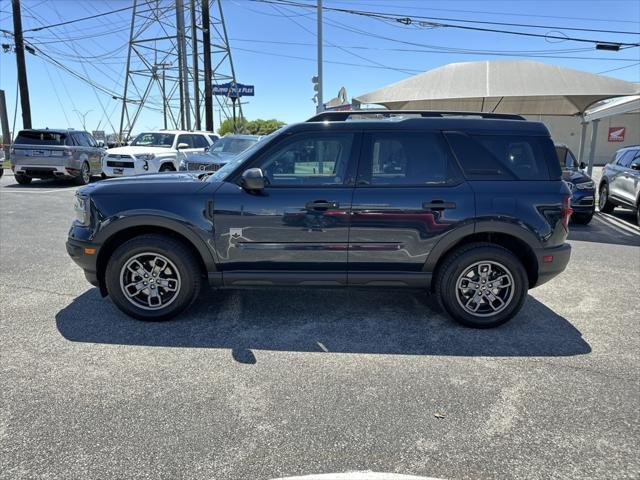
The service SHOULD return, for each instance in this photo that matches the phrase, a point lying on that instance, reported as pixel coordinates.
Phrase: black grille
(111, 163)
(203, 167)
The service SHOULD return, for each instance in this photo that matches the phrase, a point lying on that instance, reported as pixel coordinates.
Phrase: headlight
(146, 156)
(81, 209)
(585, 186)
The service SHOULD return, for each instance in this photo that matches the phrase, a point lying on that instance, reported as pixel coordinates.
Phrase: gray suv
(620, 184)
(55, 153)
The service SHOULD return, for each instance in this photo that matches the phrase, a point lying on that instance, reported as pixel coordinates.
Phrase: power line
(44, 27)
(428, 22)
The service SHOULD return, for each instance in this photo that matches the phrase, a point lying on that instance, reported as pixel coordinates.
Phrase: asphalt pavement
(263, 384)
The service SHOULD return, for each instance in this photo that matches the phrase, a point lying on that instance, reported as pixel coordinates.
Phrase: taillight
(566, 211)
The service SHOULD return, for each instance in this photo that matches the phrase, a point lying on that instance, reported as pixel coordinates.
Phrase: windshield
(154, 139)
(40, 138)
(232, 145)
(241, 157)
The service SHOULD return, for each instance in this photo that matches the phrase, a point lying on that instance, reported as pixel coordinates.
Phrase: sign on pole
(233, 91)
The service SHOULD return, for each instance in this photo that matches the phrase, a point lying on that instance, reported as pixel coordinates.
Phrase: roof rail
(341, 116)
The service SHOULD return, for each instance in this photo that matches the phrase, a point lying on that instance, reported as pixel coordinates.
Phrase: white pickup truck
(150, 152)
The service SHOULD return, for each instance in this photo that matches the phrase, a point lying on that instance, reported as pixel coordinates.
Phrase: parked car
(55, 153)
(583, 188)
(152, 152)
(620, 183)
(218, 154)
(473, 209)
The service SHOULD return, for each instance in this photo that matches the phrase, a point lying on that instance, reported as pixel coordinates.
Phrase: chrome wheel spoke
(154, 299)
(159, 264)
(135, 288)
(169, 284)
(503, 281)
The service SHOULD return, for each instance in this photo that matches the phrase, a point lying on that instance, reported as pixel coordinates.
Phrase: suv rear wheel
(606, 206)
(22, 179)
(482, 285)
(153, 277)
(85, 175)
(167, 167)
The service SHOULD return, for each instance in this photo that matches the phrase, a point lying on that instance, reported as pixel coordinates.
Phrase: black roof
(476, 123)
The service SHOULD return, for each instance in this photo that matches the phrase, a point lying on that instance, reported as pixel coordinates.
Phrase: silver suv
(620, 184)
(55, 153)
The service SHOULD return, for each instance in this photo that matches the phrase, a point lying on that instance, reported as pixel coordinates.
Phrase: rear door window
(40, 138)
(199, 141)
(505, 157)
(406, 159)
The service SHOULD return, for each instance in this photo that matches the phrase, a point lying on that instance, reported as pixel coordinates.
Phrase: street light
(83, 116)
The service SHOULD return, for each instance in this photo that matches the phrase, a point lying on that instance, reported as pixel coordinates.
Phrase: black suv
(469, 206)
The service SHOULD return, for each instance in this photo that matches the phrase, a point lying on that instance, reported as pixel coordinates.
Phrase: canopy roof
(503, 86)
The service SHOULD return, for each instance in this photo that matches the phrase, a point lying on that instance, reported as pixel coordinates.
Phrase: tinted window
(40, 138)
(80, 139)
(311, 160)
(232, 145)
(188, 139)
(406, 159)
(625, 159)
(91, 140)
(199, 141)
(505, 157)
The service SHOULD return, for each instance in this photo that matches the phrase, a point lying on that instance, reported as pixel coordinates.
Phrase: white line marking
(620, 223)
(321, 345)
(612, 227)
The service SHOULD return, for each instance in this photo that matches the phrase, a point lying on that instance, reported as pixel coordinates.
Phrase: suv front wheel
(153, 277)
(22, 179)
(606, 206)
(482, 285)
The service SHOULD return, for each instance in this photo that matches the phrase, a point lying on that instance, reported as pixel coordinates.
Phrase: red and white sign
(616, 134)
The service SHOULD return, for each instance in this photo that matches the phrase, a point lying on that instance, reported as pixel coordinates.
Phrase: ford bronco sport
(469, 206)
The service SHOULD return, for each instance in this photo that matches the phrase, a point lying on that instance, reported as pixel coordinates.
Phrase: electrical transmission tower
(177, 49)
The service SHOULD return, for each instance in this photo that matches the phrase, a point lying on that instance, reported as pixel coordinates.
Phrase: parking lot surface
(261, 384)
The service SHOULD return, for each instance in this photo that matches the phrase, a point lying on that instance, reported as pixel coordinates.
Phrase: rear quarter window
(505, 157)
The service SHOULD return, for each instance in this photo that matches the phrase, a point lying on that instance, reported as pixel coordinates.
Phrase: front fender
(197, 235)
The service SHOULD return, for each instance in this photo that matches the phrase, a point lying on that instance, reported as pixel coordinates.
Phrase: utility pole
(183, 65)
(196, 76)
(4, 122)
(206, 51)
(320, 106)
(22, 67)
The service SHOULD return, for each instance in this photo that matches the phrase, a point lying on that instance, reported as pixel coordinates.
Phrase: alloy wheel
(485, 288)
(150, 281)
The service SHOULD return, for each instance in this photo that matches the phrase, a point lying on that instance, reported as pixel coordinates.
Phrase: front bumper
(583, 201)
(85, 254)
(552, 262)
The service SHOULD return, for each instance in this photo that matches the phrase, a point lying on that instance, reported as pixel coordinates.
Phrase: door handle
(321, 205)
(438, 205)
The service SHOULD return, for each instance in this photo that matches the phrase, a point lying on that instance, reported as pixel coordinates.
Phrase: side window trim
(350, 173)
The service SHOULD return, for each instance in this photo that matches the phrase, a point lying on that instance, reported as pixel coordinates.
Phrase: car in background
(583, 188)
(55, 153)
(620, 183)
(218, 154)
(155, 151)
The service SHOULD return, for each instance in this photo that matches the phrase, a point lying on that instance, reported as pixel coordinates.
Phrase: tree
(253, 127)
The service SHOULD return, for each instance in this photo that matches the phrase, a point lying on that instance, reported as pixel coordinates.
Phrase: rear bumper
(42, 171)
(552, 262)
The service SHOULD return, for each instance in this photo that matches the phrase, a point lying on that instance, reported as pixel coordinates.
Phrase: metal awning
(503, 86)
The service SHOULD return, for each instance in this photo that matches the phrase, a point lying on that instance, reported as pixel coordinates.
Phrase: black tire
(1, 172)
(167, 167)
(184, 261)
(104, 176)
(85, 175)
(606, 205)
(581, 218)
(22, 179)
(638, 213)
(461, 260)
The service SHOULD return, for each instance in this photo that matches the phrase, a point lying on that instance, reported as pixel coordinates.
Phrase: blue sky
(265, 40)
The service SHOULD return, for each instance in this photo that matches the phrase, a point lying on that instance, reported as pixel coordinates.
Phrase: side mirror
(253, 180)
(583, 165)
(635, 166)
(182, 146)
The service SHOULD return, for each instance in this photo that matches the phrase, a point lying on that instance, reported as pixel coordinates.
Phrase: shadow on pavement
(617, 229)
(337, 321)
(37, 184)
